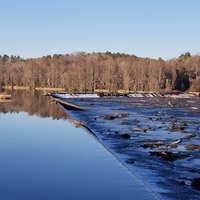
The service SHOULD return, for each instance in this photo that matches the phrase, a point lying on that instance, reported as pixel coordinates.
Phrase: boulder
(115, 116)
(166, 155)
(125, 135)
(188, 136)
(152, 145)
(137, 129)
(192, 147)
(174, 144)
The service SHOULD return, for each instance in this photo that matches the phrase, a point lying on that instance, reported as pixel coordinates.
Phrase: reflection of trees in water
(34, 103)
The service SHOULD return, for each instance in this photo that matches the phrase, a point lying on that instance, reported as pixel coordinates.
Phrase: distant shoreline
(103, 93)
(28, 88)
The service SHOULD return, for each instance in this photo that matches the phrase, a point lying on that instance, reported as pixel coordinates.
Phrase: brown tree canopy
(83, 72)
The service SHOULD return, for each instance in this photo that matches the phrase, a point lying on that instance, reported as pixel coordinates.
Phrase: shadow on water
(33, 103)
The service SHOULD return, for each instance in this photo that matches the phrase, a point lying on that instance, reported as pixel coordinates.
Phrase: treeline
(83, 72)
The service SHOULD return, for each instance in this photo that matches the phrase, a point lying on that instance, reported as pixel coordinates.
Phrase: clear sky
(146, 28)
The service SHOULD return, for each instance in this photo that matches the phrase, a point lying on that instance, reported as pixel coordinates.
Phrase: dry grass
(9, 87)
(5, 96)
(195, 93)
(5, 100)
(99, 90)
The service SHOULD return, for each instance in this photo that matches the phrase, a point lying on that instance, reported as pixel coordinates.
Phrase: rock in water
(130, 161)
(152, 145)
(192, 147)
(166, 155)
(115, 116)
(125, 135)
(196, 183)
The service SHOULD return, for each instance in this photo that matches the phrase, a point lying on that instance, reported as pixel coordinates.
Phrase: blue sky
(146, 28)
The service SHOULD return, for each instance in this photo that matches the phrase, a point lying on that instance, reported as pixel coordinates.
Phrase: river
(44, 156)
(157, 138)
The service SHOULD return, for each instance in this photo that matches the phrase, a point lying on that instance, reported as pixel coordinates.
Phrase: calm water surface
(42, 157)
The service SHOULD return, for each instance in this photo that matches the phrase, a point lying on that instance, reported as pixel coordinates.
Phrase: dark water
(42, 157)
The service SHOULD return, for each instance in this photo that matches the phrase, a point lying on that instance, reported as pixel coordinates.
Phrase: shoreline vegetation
(9, 87)
(49, 91)
(86, 73)
(6, 96)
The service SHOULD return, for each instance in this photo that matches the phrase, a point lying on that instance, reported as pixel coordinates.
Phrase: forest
(111, 72)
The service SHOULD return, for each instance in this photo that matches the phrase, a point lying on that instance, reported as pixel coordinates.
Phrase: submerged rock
(184, 181)
(176, 127)
(196, 183)
(192, 147)
(124, 123)
(130, 161)
(137, 129)
(194, 171)
(123, 146)
(188, 136)
(125, 135)
(152, 145)
(195, 109)
(115, 116)
(166, 155)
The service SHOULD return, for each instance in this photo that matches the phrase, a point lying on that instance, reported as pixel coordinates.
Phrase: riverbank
(106, 93)
(28, 88)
